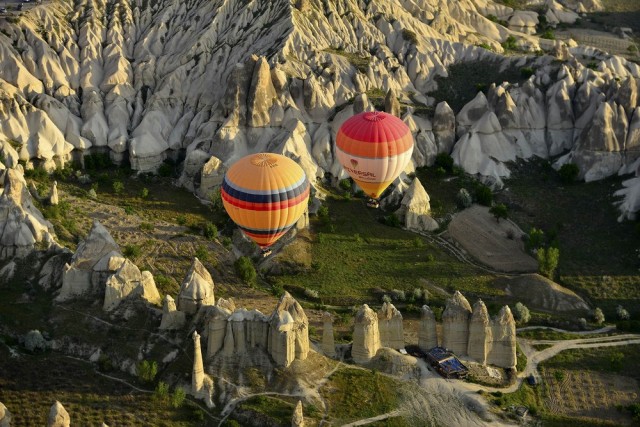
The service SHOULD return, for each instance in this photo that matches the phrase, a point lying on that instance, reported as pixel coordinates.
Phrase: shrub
(245, 269)
(622, 313)
(132, 251)
(391, 220)
(535, 240)
(409, 36)
(398, 295)
(386, 298)
(118, 187)
(161, 392)
(311, 293)
(128, 209)
(510, 43)
(632, 48)
(177, 399)
(146, 226)
(569, 173)
(548, 34)
(345, 184)
(598, 316)
(34, 340)
(144, 193)
(484, 196)
(147, 370)
(445, 161)
(499, 211)
(210, 231)
(166, 170)
(181, 220)
(463, 199)
(323, 215)
(526, 72)
(521, 313)
(548, 261)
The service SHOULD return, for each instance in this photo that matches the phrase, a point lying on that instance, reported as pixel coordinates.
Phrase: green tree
(161, 393)
(484, 196)
(177, 399)
(345, 184)
(536, 239)
(245, 269)
(144, 193)
(147, 370)
(499, 211)
(444, 161)
(598, 316)
(210, 231)
(118, 187)
(521, 313)
(548, 261)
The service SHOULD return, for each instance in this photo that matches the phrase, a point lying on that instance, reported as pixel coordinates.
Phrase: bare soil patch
(495, 244)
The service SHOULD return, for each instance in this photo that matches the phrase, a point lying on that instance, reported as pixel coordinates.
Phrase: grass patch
(598, 258)
(276, 410)
(548, 334)
(361, 63)
(373, 255)
(356, 393)
(622, 360)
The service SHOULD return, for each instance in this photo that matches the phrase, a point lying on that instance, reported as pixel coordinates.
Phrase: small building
(446, 363)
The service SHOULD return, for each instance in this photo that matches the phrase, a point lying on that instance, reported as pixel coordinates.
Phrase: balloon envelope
(374, 148)
(265, 194)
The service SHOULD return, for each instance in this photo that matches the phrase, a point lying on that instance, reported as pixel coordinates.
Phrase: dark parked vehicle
(3, 10)
(531, 380)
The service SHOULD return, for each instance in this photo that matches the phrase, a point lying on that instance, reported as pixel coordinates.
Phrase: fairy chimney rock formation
(58, 416)
(196, 289)
(415, 208)
(53, 198)
(96, 258)
(328, 344)
(288, 332)
(391, 103)
(366, 335)
(479, 333)
(390, 326)
(217, 325)
(455, 324)
(427, 334)
(503, 331)
(22, 226)
(127, 282)
(197, 379)
(171, 317)
(297, 420)
(5, 416)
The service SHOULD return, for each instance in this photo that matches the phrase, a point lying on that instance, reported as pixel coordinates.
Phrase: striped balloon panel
(374, 148)
(265, 194)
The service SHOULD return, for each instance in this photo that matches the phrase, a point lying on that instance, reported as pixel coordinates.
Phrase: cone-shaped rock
(479, 333)
(288, 332)
(427, 334)
(196, 289)
(328, 344)
(455, 324)
(58, 416)
(171, 317)
(415, 208)
(503, 331)
(390, 326)
(297, 420)
(366, 335)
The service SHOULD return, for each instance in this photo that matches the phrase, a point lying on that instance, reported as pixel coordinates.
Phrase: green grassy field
(356, 258)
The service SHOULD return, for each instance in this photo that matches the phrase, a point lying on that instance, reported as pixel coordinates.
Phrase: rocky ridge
(224, 78)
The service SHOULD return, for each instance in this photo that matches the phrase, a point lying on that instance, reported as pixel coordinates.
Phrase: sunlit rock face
(154, 81)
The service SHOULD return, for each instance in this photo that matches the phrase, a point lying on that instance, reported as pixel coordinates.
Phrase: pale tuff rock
(58, 416)
(471, 113)
(366, 335)
(197, 378)
(98, 256)
(391, 103)
(201, 384)
(288, 325)
(503, 346)
(261, 95)
(5, 416)
(22, 226)
(196, 289)
(557, 13)
(524, 21)
(171, 317)
(192, 167)
(328, 344)
(444, 127)
(297, 420)
(53, 197)
(415, 209)
(211, 177)
(455, 324)
(284, 335)
(427, 333)
(390, 326)
(127, 282)
(630, 205)
(479, 333)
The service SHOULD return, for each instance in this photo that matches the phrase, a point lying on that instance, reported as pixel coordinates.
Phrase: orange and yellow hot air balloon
(374, 148)
(265, 194)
